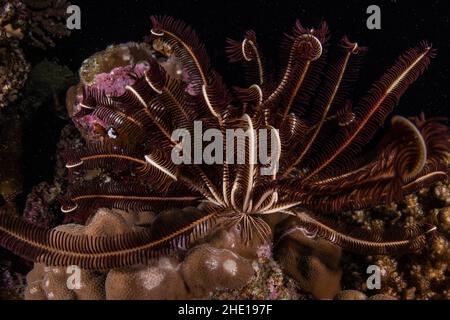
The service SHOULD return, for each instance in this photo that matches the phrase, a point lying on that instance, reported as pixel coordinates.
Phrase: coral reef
(36, 22)
(247, 273)
(161, 280)
(211, 266)
(38, 209)
(26, 22)
(29, 91)
(109, 72)
(269, 283)
(46, 82)
(46, 21)
(100, 66)
(207, 269)
(422, 275)
(313, 263)
(133, 240)
(13, 72)
(12, 283)
(358, 295)
(13, 16)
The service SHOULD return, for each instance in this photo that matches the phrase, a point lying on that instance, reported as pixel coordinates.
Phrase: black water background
(404, 24)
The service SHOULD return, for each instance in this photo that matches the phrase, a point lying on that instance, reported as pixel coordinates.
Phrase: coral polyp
(321, 146)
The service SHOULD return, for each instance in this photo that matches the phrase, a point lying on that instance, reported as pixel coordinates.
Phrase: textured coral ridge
(324, 167)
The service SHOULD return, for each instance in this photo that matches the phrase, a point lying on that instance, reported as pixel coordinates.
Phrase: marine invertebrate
(108, 71)
(163, 278)
(47, 282)
(317, 140)
(103, 62)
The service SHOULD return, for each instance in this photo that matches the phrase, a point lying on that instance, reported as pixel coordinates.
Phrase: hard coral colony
(325, 166)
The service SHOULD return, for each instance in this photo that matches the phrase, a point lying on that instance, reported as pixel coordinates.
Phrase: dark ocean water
(403, 24)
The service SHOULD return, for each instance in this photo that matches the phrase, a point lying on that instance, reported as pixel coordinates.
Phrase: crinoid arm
(371, 112)
(248, 53)
(60, 248)
(356, 239)
(86, 198)
(412, 154)
(192, 54)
